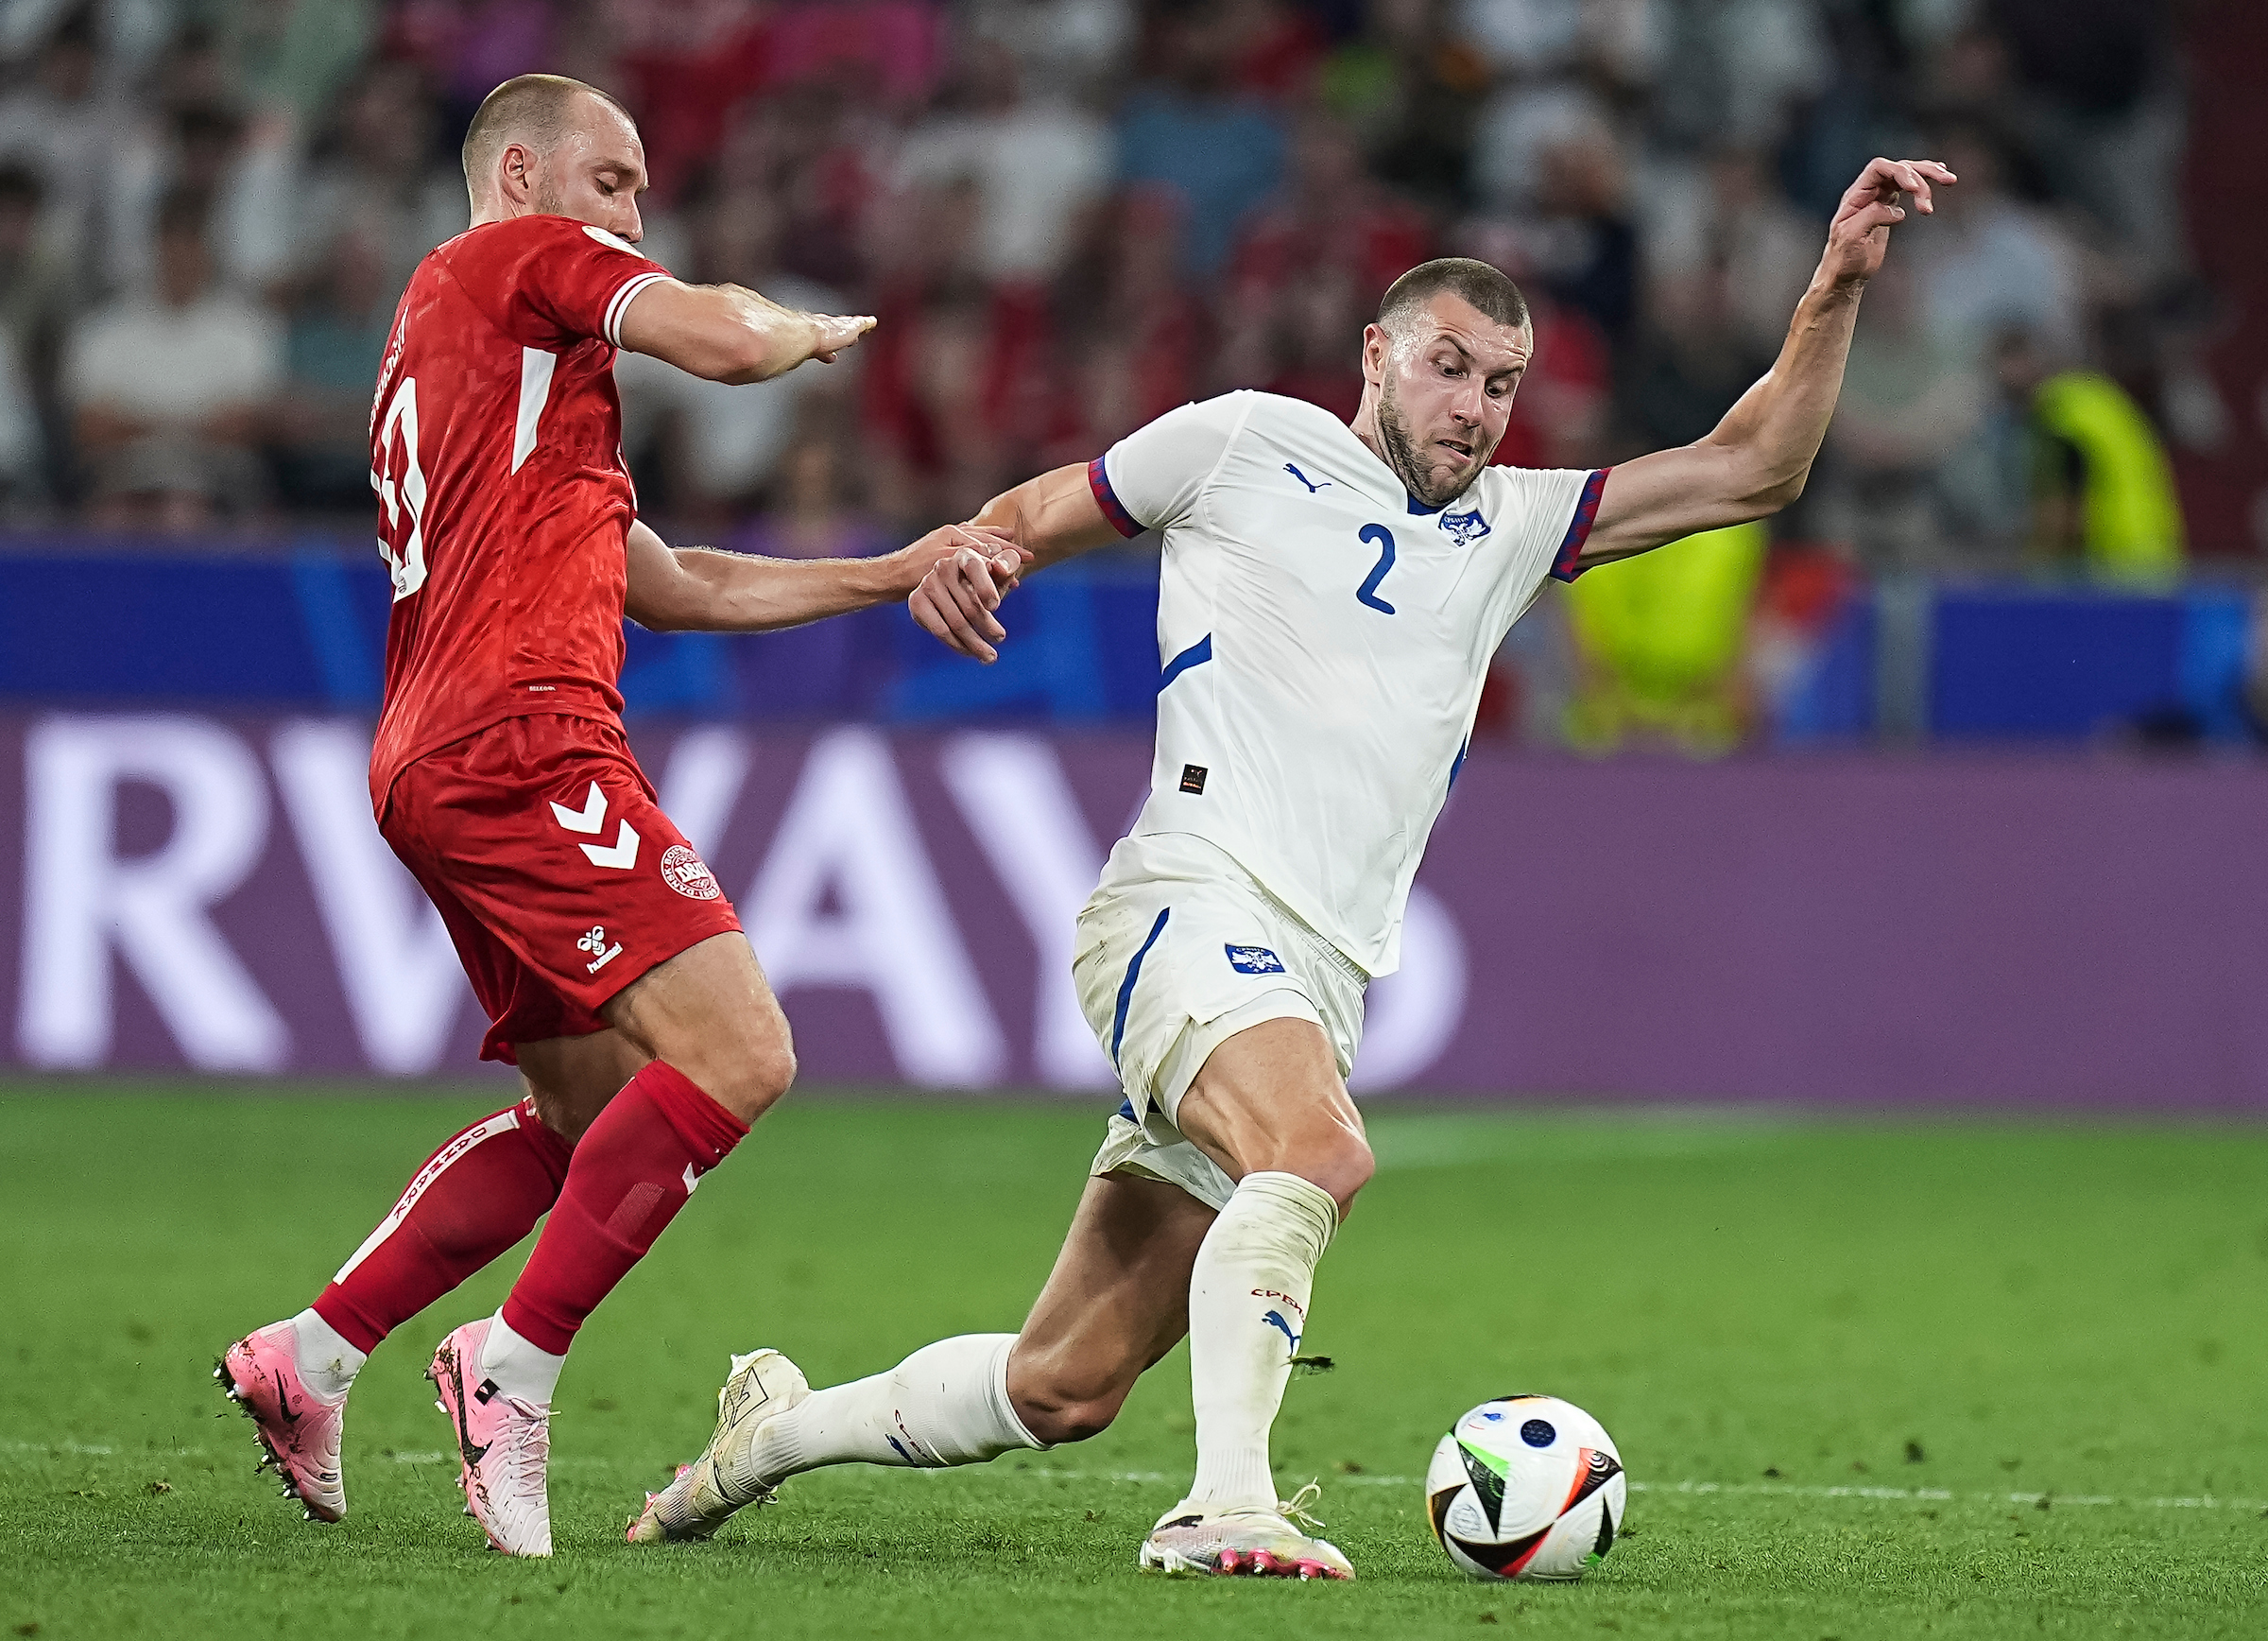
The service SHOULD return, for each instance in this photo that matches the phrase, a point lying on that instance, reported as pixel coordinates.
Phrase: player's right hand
(957, 595)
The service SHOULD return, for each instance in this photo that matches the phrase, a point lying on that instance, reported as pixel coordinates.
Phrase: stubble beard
(1404, 457)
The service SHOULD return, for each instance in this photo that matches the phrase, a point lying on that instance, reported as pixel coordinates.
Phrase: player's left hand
(972, 568)
(1861, 234)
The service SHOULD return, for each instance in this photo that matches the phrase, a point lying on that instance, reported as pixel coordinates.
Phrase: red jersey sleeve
(548, 281)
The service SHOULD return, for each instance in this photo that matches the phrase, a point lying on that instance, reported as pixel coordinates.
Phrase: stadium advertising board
(209, 893)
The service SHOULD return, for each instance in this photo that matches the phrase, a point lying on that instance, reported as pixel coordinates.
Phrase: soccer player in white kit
(1330, 599)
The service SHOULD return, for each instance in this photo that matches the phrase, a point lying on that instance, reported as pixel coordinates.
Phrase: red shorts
(558, 876)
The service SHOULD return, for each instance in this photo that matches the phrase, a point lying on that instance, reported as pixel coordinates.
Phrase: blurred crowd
(1073, 215)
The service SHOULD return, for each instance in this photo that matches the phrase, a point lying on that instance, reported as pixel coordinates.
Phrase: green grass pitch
(1871, 1379)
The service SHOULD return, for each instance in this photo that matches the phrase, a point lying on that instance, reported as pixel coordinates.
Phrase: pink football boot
(504, 1447)
(298, 1431)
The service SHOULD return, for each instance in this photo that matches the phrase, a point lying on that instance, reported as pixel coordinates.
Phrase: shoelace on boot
(1294, 1508)
(529, 1454)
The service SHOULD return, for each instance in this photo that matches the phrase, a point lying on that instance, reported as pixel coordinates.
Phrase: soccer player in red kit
(611, 965)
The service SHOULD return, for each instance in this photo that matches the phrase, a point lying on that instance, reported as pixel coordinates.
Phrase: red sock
(631, 1173)
(472, 1200)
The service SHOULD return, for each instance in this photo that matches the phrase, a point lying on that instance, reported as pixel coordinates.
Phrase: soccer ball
(1526, 1487)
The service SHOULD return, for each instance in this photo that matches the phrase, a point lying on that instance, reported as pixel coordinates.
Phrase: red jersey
(502, 500)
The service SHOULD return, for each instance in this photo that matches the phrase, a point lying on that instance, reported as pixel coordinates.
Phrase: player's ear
(1376, 345)
(512, 167)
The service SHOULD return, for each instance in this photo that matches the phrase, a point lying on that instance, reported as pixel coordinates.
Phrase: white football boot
(1188, 1542)
(762, 1386)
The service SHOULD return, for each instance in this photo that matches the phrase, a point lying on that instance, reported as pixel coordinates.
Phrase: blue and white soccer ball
(1526, 1487)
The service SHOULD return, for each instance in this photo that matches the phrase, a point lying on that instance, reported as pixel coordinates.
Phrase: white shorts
(1178, 950)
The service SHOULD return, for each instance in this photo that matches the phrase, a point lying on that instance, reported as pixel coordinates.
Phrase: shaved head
(535, 110)
(1487, 290)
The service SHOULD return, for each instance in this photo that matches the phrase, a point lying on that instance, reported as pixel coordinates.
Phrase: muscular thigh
(1118, 1297)
(712, 1014)
(1270, 1100)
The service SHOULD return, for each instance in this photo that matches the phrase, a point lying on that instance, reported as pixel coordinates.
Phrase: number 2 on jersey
(402, 499)
(1367, 592)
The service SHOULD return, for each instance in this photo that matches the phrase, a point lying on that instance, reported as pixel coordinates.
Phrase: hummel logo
(622, 854)
(1274, 1319)
(1312, 485)
(602, 954)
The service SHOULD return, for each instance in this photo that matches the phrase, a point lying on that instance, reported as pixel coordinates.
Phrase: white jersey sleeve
(1151, 479)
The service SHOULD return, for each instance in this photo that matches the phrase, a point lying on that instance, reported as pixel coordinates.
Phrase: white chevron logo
(594, 814)
(622, 855)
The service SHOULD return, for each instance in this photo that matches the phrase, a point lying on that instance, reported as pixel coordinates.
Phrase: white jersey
(1324, 637)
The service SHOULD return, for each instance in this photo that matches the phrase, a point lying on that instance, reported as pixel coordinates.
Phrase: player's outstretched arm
(1048, 518)
(727, 334)
(1755, 460)
(700, 590)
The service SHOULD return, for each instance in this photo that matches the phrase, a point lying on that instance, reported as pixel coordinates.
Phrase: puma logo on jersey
(1466, 527)
(1312, 485)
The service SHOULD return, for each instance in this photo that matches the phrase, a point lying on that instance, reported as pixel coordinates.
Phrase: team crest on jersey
(1253, 961)
(688, 873)
(1466, 527)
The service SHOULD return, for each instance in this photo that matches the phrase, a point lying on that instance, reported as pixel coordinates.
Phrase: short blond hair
(531, 109)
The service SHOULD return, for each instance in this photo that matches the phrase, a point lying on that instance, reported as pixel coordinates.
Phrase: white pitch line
(1756, 1488)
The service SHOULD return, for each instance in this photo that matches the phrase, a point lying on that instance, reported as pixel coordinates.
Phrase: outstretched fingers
(838, 332)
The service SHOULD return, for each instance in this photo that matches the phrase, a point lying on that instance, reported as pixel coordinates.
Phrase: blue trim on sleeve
(1098, 480)
(1126, 990)
(1567, 564)
(1196, 655)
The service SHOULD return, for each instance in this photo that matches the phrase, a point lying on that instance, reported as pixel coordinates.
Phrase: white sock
(327, 1363)
(946, 1403)
(521, 1371)
(1248, 1311)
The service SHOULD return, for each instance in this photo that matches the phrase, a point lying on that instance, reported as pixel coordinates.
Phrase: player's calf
(1061, 1395)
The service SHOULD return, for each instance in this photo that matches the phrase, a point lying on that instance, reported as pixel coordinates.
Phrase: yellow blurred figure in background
(2103, 490)
(1660, 639)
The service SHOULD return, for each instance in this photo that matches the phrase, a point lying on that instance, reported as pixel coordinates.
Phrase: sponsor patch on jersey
(1466, 527)
(1253, 961)
(688, 873)
(615, 241)
(1192, 778)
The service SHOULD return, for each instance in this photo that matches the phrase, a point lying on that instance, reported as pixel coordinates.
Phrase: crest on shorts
(688, 873)
(1466, 527)
(1253, 961)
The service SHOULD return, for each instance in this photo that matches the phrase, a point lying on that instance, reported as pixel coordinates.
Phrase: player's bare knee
(747, 1077)
(1341, 1164)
